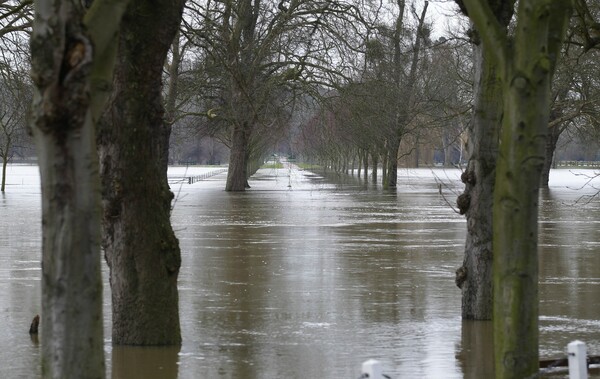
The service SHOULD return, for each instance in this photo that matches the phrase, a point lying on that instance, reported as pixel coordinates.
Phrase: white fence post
(372, 368)
(577, 360)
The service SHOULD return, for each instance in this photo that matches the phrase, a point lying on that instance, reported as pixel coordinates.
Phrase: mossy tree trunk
(140, 246)
(71, 59)
(527, 65)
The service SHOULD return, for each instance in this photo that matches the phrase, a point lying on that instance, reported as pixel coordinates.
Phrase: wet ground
(308, 275)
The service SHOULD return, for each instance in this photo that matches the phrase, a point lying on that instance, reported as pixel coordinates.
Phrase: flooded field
(307, 276)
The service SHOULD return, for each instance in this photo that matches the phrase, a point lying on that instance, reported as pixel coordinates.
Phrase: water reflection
(476, 350)
(131, 362)
(569, 274)
(314, 279)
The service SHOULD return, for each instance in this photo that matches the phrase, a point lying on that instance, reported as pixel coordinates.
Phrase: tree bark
(140, 246)
(525, 128)
(475, 276)
(392, 165)
(553, 135)
(365, 165)
(63, 132)
(236, 173)
(67, 64)
(4, 165)
(527, 66)
(375, 164)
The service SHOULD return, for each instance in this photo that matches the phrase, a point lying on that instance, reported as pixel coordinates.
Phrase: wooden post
(372, 369)
(577, 360)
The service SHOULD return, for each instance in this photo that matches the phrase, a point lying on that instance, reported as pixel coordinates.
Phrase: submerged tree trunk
(236, 173)
(63, 131)
(392, 166)
(475, 276)
(365, 165)
(384, 167)
(375, 164)
(527, 62)
(553, 135)
(524, 136)
(67, 73)
(4, 165)
(141, 249)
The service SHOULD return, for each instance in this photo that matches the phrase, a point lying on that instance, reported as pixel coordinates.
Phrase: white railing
(196, 178)
(577, 360)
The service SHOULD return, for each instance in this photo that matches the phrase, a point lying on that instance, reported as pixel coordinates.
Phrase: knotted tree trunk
(475, 276)
(71, 59)
(141, 249)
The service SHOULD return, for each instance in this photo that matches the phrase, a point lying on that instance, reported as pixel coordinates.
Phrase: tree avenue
(15, 97)
(102, 132)
(265, 53)
(526, 65)
(15, 88)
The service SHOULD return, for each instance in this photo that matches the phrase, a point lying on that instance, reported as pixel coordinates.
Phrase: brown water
(307, 277)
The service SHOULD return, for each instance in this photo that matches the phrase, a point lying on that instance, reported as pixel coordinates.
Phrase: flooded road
(305, 276)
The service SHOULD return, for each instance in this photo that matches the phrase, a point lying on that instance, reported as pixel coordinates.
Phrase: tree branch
(491, 31)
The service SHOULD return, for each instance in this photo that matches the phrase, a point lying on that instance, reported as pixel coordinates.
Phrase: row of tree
(424, 87)
(358, 76)
(358, 130)
(524, 98)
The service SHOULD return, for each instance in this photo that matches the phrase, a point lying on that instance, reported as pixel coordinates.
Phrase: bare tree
(15, 16)
(15, 97)
(265, 52)
(15, 25)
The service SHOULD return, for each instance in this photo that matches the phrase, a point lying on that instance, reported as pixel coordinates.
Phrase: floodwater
(305, 276)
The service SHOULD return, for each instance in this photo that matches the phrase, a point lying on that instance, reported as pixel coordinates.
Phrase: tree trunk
(375, 164)
(527, 62)
(366, 165)
(141, 249)
(522, 152)
(173, 86)
(4, 165)
(392, 170)
(515, 235)
(71, 281)
(67, 73)
(417, 154)
(236, 173)
(384, 167)
(553, 135)
(63, 132)
(475, 276)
